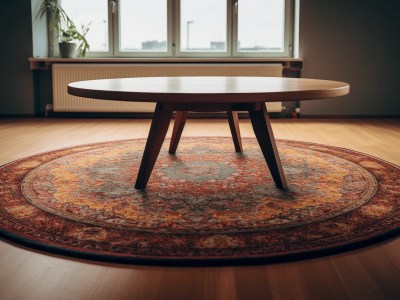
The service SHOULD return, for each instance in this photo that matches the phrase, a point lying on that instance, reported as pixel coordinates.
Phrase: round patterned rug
(206, 204)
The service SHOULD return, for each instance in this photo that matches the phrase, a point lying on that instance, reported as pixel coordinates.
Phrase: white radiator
(66, 73)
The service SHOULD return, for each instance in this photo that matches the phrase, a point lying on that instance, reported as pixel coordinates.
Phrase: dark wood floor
(369, 273)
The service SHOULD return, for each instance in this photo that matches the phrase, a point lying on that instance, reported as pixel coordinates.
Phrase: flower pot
(67, 50)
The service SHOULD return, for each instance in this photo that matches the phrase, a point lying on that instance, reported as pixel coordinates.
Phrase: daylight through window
(185, 28)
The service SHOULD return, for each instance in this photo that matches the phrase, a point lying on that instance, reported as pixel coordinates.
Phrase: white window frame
(168, 53)
(110, 52)
(186, 53)
(288, 35)
(173, 35)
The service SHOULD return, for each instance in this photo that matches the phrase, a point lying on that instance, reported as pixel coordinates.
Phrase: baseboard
(18, 116)
(352, 116)
(218, 115)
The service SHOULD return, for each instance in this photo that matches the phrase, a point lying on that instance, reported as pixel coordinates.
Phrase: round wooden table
(208, 94)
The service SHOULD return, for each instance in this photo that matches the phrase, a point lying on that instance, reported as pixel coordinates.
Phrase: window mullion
(172, 25)
(113, 25)
(229, 28)
(234, 27)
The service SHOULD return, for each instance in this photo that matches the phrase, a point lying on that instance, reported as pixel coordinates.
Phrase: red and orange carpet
(206, 204)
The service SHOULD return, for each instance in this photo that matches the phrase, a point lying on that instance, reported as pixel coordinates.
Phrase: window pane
(143, 25)
(261, 25)
(203, 25)
(92, 13)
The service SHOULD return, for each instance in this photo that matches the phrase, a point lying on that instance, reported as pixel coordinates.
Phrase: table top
(208, 89)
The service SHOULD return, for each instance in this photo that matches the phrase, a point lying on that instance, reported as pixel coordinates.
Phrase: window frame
(288, 36)
(173, 36)
(110, 52)
(116, 36)
(207, 54)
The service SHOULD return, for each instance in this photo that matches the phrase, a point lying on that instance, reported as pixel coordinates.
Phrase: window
(92, 13)
(261, 26)
(203, 26)
(185, 28)
(142, 27)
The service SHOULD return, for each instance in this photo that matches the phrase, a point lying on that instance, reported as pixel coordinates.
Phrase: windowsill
(292, 66)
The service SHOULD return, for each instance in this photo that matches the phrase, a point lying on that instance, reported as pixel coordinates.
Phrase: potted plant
(63, 28)
(67, 44)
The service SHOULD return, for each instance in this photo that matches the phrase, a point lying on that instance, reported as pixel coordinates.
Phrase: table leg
(158, 130)
(179, 124)
(263, 131)
(233, 120)
(180, 121)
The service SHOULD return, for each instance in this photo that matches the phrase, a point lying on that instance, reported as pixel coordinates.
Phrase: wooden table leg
(263, 131)
(179, 124)
(233, 120)
(158, 130)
